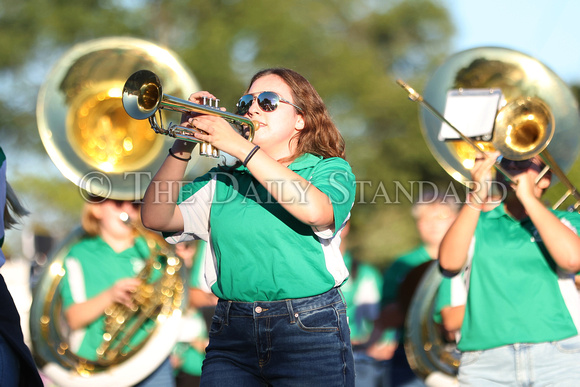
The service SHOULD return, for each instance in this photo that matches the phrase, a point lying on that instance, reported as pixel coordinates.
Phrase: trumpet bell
(83, 125)
(142, 95)
(534, 102)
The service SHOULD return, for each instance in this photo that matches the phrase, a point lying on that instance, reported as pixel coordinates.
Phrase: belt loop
(291, 312)
(227, 313)
(341, 295)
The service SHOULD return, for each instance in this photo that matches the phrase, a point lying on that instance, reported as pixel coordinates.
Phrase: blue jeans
(544, 364)
(296, 342)
(403, 375)
(161, 377)
(9, 365)
(371, 372)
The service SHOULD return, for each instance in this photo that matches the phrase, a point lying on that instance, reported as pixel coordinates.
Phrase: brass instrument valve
(205, 148)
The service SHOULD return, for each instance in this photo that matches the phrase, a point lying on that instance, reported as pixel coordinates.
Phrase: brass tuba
(97, 146)
(537, 114)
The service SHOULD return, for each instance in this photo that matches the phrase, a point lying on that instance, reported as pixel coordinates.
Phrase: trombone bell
(523, 128)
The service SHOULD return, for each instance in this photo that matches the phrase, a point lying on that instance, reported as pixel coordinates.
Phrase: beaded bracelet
(250, 155)
(177, 157)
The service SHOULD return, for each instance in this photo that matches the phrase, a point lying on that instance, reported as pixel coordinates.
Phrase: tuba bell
(97, 146)
(537, 114)
(82, 123)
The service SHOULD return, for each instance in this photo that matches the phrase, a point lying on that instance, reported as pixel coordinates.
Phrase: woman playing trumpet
(273, 225)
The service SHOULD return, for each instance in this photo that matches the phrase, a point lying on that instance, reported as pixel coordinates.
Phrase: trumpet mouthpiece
(125, 218)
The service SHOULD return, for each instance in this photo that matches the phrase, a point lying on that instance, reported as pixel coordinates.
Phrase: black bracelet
(177, 157)
(250, 155)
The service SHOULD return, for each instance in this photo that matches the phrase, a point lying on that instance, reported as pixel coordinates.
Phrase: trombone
(143, 98)
(525, 125)
(523, 128)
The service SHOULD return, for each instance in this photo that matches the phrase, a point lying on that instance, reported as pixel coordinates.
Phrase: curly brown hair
(320, 136)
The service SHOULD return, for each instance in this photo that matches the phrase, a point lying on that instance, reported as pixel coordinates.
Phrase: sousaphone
(537, 114)
(96, 145)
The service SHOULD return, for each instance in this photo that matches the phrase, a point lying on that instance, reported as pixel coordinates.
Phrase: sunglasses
(267, 101)
(120, 203)
(522, 164)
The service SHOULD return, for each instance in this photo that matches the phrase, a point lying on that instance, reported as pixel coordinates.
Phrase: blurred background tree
(352, 51)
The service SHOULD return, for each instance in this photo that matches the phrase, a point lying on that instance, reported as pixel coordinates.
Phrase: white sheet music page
(472, 112)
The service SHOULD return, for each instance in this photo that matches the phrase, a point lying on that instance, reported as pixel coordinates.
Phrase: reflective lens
(522, 164)
(244, 104)
(267, 101)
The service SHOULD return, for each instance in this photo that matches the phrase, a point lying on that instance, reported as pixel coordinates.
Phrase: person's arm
(562, 243)
(83, 313)
(300, 198)
(454, 247)
(199, 298)
(297, 195)
(452, 319)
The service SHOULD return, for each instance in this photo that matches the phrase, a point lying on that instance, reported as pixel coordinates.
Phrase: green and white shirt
(452, 292)
(516, 292)
(91, 267)
(259, 251)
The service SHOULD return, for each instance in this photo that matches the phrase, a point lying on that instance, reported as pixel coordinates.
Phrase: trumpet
(143, 97)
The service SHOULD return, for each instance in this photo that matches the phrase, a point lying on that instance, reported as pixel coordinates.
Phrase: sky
(548, 30)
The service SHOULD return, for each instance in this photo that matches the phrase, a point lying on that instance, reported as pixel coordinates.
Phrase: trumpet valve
(206, 149)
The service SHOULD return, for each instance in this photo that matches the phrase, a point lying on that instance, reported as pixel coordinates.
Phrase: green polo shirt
(260, 251)
(92, 266)
(516, 294)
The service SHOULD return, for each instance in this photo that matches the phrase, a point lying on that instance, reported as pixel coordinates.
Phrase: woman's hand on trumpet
(214, 130)
(218, 132)
(198, 98)
(209, 128)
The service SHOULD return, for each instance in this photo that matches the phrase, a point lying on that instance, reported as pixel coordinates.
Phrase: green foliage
(351, 50)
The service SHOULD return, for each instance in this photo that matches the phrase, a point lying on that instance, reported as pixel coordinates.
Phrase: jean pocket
(469, 357)
(319, 320)
(569, 345)
(217, 325)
